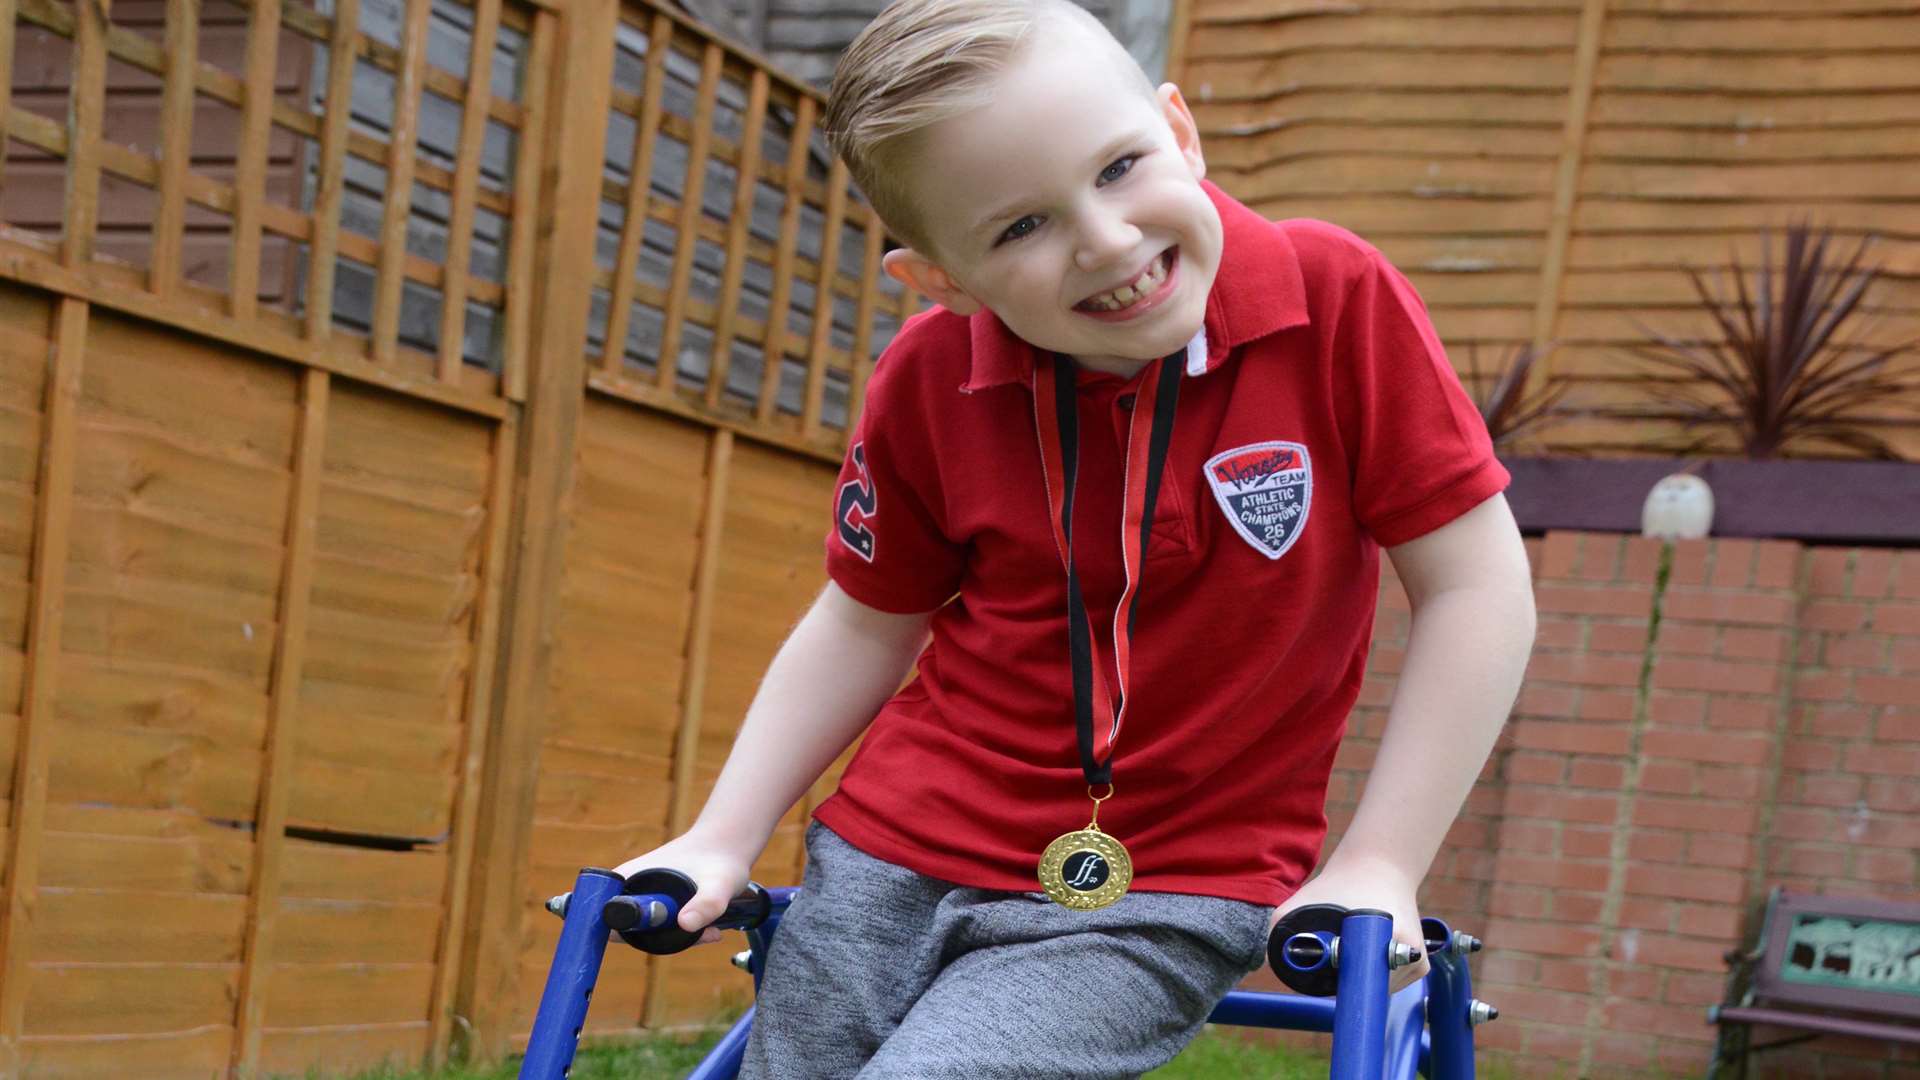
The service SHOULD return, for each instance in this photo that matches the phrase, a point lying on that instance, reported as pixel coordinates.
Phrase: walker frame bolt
(558, 904)
(1464, 943)
(1480, 1012)
(1400, 954)
(742, 960)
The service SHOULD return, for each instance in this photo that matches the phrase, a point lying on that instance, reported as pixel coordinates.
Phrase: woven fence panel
(1545, 171)
(1711, 123)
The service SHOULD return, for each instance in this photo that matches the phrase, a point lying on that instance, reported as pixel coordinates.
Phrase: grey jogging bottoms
(881, 972)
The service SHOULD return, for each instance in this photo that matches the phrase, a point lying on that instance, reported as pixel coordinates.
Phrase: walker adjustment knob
(1304, 949)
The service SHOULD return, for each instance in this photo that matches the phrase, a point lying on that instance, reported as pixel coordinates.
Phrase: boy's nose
(1104, 239)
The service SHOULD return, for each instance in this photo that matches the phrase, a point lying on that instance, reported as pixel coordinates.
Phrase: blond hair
(920, 62)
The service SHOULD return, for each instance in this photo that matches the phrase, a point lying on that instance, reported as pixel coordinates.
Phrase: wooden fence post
(53, 511)
(1566, 188)
(575, 147)
(699, 653)
(283, 718)
(693, 703)
(46, 614)
(480, 696)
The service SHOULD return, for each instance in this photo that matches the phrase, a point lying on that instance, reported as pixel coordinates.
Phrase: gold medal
(1086, 869)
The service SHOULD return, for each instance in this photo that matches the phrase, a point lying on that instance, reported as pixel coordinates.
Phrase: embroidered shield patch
(1265, 489)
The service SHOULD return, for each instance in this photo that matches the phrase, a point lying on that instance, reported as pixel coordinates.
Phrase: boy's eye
(1118, 169)
(1020, 228)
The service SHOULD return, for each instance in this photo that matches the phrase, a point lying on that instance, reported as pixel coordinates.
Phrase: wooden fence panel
(403, 509)
(608, 761)
(607, 757)
(1442, 153)
(702, 239)
(25, 325)
(184, 459)
(283, 585)
(352, 905)
(431, 171)
(1691, 154)
(158, 622)
(1543, 171)
(770, 568)
(30, 672)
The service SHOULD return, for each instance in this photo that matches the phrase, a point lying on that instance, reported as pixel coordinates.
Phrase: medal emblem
(1085, 870)
(1266, 490)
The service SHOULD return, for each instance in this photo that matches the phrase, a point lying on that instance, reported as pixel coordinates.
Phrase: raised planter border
(1825, 502)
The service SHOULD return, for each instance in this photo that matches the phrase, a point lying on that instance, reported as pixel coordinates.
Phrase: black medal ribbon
(1098, 767)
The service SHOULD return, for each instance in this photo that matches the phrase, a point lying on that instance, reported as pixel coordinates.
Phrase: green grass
(1214, 1054)
(1217, 1053)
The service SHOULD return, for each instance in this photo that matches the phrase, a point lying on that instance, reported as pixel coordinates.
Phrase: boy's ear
(1186, 133)
(926, 277)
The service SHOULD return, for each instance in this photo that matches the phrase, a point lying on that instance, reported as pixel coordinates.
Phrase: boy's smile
(1069, 204)
(1144, 291)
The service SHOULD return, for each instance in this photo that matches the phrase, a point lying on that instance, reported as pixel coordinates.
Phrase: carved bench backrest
(1840, 952)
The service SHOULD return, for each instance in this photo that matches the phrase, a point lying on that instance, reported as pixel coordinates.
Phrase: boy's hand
(1359, 885)
(718, 875)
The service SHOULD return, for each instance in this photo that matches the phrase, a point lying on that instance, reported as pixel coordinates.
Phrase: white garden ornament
(1680, 507)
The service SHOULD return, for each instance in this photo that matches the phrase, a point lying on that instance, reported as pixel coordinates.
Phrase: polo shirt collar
(1258, 290)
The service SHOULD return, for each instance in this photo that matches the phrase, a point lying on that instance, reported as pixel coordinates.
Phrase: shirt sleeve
(887, 546)
(1419, 450)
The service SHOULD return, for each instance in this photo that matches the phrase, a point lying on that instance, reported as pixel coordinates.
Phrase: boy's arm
(840, 664)
(1472, 632)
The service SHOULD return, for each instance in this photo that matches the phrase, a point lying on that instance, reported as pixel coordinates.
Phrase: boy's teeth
(1127, 294)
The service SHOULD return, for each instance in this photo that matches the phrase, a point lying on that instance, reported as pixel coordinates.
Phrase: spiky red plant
(1509, 405)
(1780, 379)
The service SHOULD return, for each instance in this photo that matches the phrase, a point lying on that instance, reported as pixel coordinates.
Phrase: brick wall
(1700, 721)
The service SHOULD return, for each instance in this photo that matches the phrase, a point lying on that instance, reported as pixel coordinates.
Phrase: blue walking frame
(1426, 1029)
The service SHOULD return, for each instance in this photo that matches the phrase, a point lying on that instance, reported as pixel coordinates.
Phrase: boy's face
(1070, 206)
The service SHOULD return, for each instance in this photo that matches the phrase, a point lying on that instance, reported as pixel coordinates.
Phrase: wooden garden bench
(1822, 965)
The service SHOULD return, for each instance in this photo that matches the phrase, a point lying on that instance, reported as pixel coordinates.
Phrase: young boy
(1132, 476)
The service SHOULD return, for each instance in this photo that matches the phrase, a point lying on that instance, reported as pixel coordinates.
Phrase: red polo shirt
(1319, 421)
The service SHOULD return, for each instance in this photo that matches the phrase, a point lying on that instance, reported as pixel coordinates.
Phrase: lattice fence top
(189, 157)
